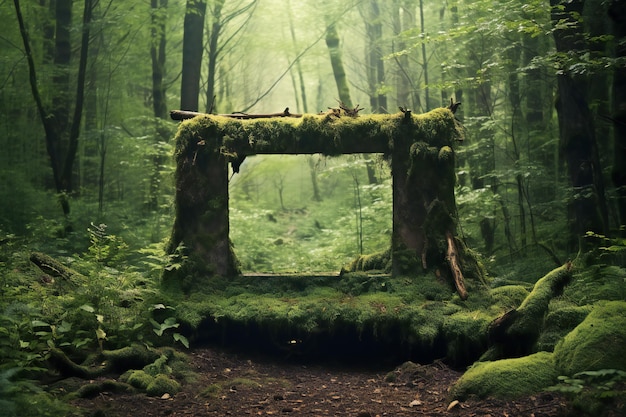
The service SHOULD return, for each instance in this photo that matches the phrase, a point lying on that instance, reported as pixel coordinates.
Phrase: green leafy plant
(105, 248)
(169, 323)
(602, 382)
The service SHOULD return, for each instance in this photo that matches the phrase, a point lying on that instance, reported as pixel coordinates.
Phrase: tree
(216, 45)
(617, 13)
(61, 133)
(336, 61)
(375, 65)
(588, 210)
(192, 54)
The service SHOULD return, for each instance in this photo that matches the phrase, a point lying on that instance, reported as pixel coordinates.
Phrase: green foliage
(306, 235)
(105, 248)
(594, 393)
(168, 323)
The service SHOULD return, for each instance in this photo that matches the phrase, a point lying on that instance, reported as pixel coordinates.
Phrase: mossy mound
(597, 343)
(162, 384)
(138, 379)
(507, 378)
(559, 322)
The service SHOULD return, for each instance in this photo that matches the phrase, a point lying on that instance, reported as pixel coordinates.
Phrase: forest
(358, 208)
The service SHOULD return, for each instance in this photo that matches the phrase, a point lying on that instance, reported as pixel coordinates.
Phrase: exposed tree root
(515, 333)
(118, 361)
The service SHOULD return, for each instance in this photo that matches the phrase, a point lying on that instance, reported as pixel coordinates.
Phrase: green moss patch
(162, 384)
(507, 378)
(597, 343)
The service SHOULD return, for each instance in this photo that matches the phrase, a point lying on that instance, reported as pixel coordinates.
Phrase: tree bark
(157, 54)
(336, 61)
(617, 13)
(587, 208)
(192, 54)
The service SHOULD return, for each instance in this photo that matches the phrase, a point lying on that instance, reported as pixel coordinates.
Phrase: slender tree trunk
(158, 27)
(407, 93)
(313, 171)
(216, 29)
(192, 54)
(617, 13)
(577, 135)
(158, 19)
(375, 69)
(424, 58)
(61, 137)
(298, 65)
(336, 61)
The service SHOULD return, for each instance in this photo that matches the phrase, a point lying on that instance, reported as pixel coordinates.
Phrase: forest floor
(238, 384)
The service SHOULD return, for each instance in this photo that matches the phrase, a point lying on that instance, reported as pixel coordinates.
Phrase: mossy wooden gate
(422, 163)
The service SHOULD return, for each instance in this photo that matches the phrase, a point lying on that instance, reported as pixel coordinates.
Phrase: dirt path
(232, 384)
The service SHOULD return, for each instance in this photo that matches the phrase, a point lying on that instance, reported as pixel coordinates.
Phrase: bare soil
(237, 384)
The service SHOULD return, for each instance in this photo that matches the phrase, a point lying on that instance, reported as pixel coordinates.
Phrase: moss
(205, 144)
(129, 357)
(465, 336)
(159, 366)
(597, 343)
(509, 296)
(139, 379)
(380, 261)
(507, 378)
(534, 307)
(94, 388)
(162, 384)
(559, 323)
(211, 391)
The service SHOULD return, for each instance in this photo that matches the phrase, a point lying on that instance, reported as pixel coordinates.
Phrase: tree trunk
(303, 100)
(159, 99)
(424, 59)
(617, 13)
(332, 42)
(192, 54)
(375, 66)
(587, 208)
(61, 137)
(216, 28)
(158, 20)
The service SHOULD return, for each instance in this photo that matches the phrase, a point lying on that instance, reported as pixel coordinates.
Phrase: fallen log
(56, 269)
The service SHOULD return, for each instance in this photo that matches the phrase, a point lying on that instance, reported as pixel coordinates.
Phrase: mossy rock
(162, 384)
(596, 343)
(507, 378)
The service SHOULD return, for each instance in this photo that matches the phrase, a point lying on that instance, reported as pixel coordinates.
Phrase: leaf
(101, 334)
(39, 323)
(182, 339)
(87, 308)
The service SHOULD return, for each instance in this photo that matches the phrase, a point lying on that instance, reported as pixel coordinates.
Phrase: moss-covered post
(201, 227)
(424, 209)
